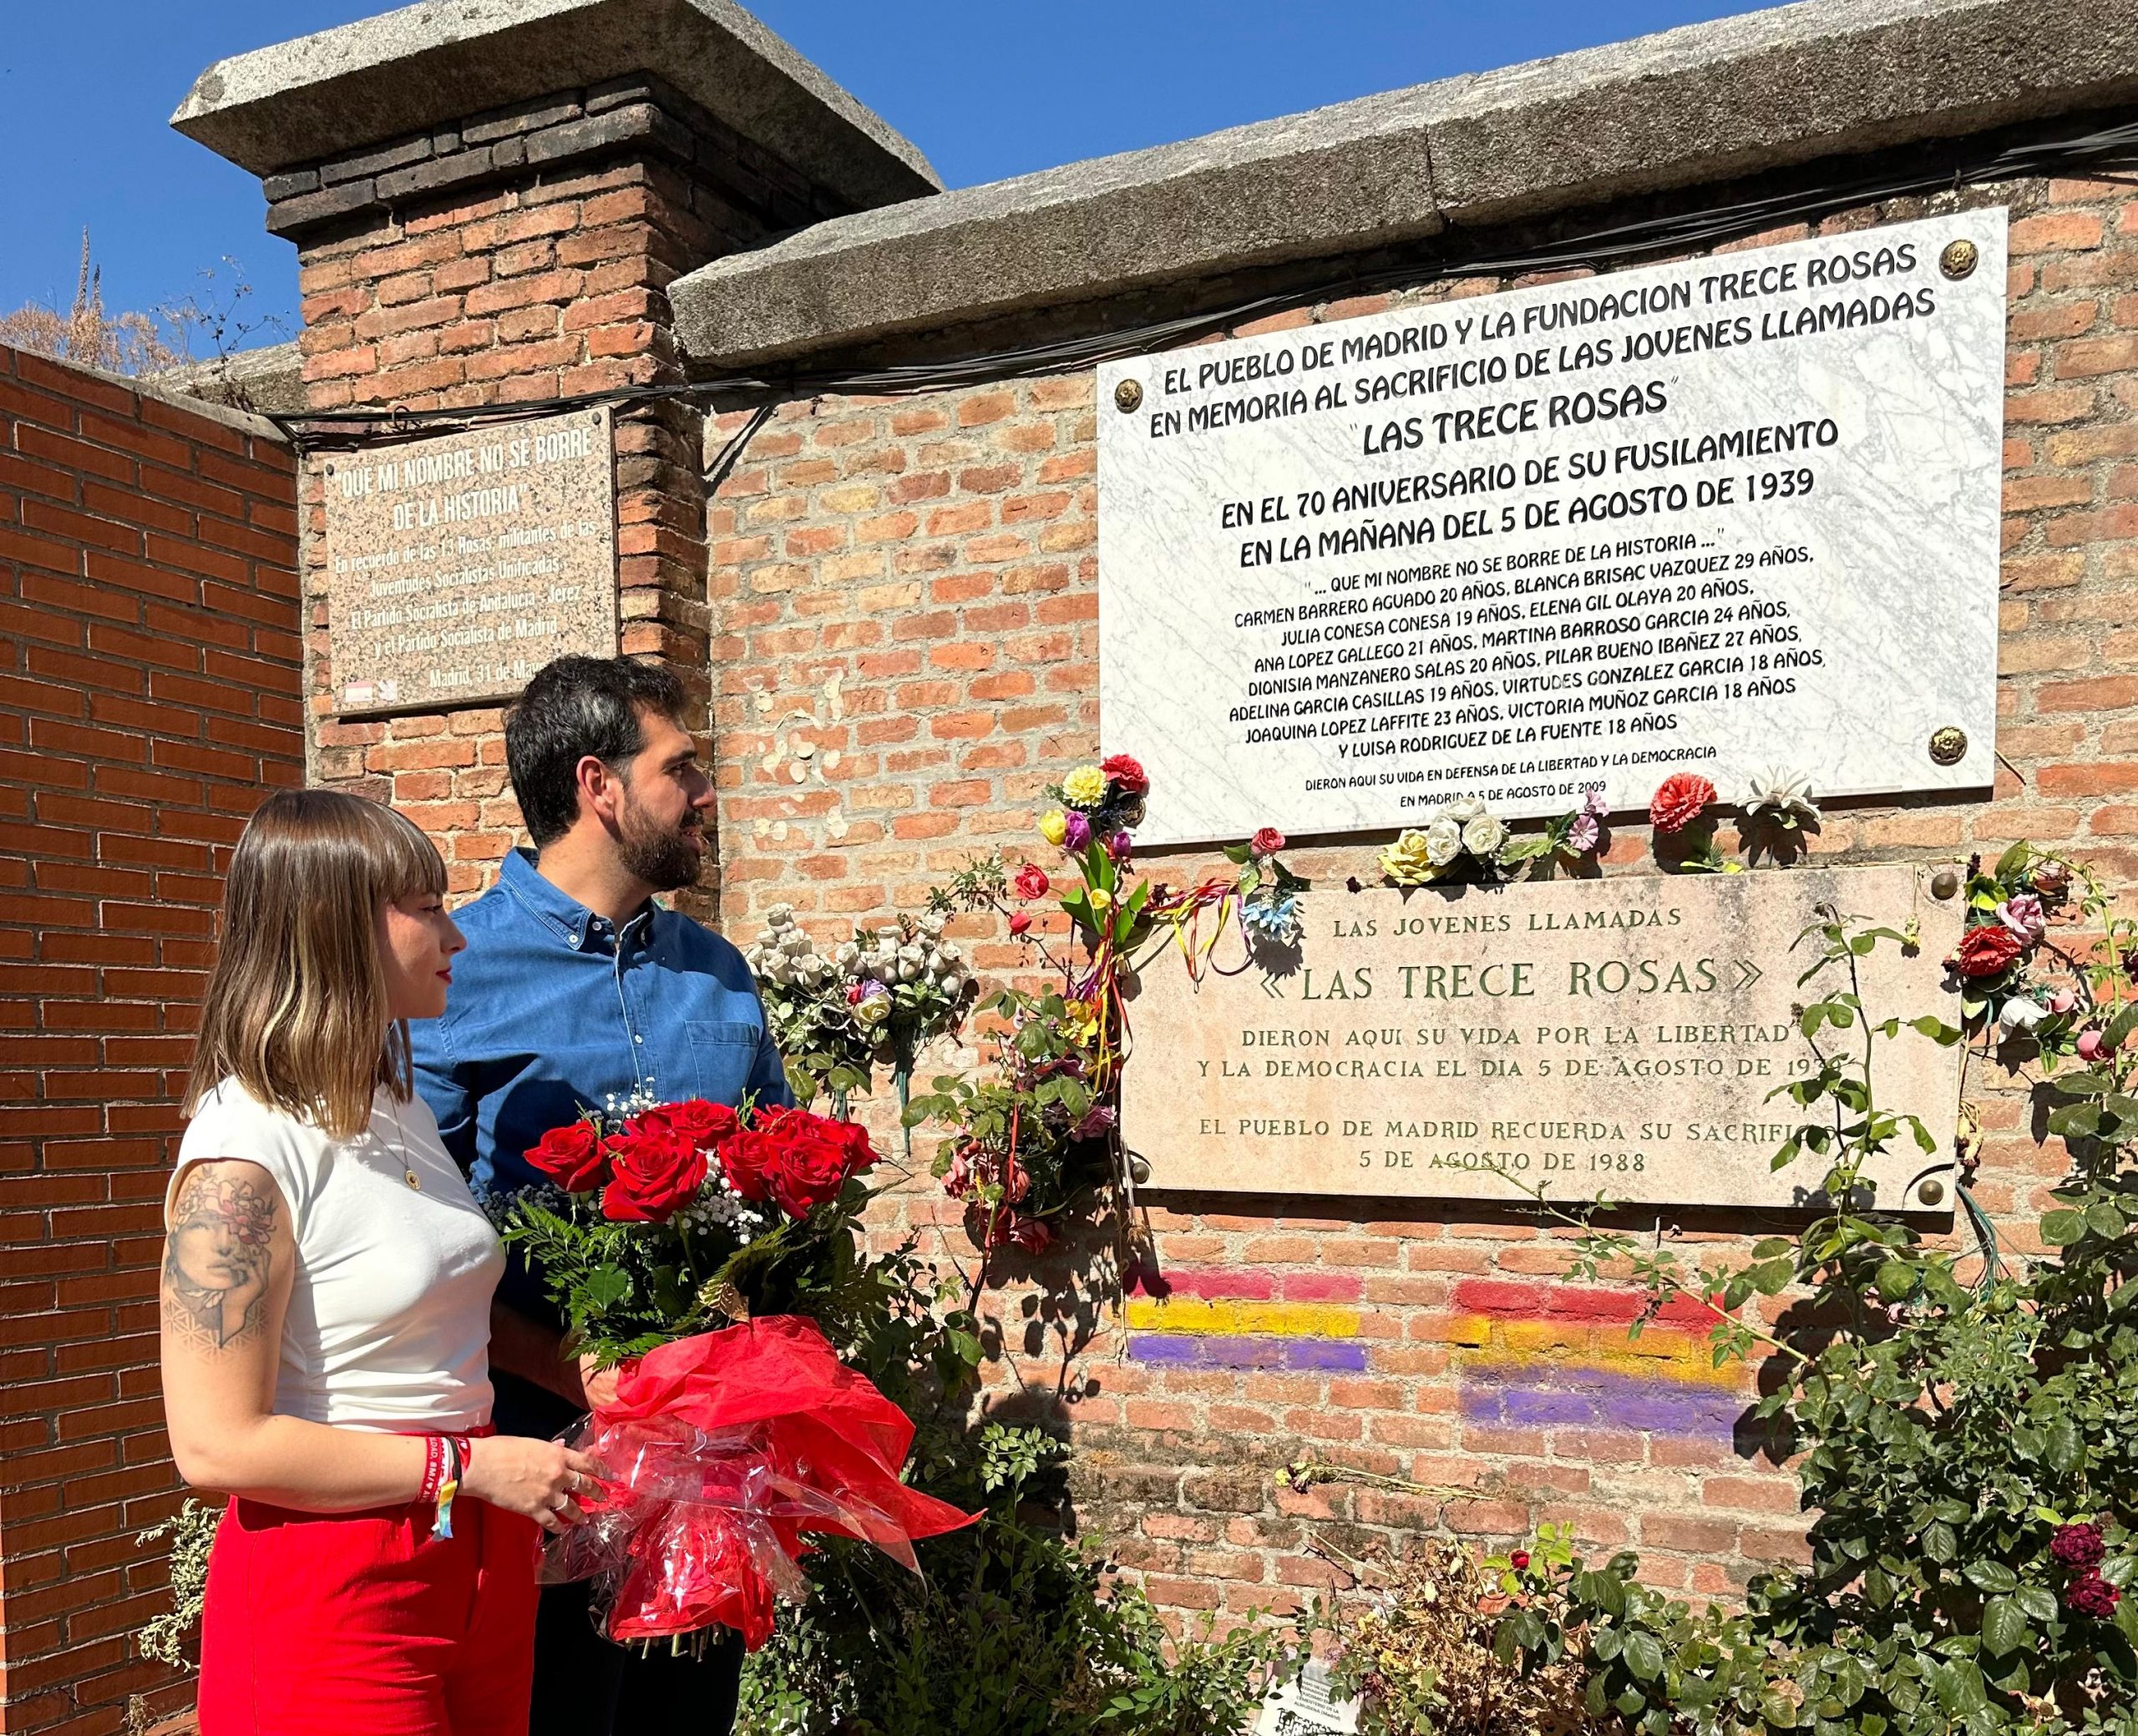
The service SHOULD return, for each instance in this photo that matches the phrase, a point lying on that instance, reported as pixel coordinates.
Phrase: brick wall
(149, 697)
(905, 653)
(520, 255)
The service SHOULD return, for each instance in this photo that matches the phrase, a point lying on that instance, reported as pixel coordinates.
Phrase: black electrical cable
(2110, 148)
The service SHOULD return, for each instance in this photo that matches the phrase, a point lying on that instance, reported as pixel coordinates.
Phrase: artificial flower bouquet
(667, 1234)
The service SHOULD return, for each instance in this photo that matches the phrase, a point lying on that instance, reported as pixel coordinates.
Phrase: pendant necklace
(407, 1168)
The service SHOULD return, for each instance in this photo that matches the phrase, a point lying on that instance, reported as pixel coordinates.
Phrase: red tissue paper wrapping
(720, 1452)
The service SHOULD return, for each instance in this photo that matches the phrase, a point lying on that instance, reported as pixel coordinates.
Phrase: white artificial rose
(1443, 841)
(1483, 836)
(1464, 812)
(780, 915)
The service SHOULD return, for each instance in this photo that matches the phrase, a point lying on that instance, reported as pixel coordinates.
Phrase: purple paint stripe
(1179, 1351)
(1605, 1400)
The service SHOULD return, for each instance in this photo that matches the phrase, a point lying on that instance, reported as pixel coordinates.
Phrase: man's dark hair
(573, 707)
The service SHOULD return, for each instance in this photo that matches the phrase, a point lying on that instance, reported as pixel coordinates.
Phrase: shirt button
(638, 1039)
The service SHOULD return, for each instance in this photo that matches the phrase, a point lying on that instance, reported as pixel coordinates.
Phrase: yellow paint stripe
(1683, 1371)
(1287, 1319)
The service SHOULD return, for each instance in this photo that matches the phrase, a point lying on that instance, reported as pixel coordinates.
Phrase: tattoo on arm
(217, 1258)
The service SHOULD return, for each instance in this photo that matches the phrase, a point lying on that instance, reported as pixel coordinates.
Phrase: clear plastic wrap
(719, 1453)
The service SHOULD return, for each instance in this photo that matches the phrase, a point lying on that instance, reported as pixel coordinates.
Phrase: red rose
(1678, 801)
(1267, 841)
(800, 1160)
(1031, 1235)
(1125, 775)
(1521, 1559)
(700, 1123)
(572, 1156)
(657, 1172)
(744, 1157)
(1020, 921)
(1031, 881)
(1986, 951)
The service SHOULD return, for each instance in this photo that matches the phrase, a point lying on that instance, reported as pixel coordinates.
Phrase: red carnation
(1031, 881)
(1267, 841)
(1019, 922)
(1125, 775)
(572, 1156)
(657, 1173)
(1986, 951)
(1678, 802)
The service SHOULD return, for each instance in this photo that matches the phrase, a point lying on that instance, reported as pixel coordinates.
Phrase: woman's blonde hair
(296, 1010)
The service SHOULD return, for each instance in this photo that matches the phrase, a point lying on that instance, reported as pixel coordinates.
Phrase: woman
(325, 1314)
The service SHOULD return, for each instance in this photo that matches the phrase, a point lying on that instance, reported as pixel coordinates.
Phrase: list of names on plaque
(1623, 1037)
(458, 566)
(1709, 515)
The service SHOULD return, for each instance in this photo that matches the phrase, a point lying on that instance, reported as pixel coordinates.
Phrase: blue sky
(986, 89)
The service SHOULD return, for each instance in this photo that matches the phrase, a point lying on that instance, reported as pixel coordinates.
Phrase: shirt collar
(550, 905)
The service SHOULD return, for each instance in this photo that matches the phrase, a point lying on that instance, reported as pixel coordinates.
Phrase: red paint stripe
(1509, 1299)
(1235, 1283)
(1321, 1287)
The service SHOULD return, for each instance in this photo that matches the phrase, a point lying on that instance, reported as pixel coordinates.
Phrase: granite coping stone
(1760, 91)
(381, 79)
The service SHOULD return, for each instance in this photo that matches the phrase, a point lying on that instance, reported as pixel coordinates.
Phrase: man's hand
(599, 1383)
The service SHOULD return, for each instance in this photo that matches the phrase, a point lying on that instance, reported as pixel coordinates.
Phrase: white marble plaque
(1621, 1037)
(1723, 515)
(458, 566)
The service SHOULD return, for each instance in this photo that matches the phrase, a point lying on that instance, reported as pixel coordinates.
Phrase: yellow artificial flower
(1101, 899)
(1407, 862)
(1084, 787)
(1054, 825)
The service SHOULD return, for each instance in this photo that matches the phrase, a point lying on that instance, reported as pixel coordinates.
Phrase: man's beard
(666, 859)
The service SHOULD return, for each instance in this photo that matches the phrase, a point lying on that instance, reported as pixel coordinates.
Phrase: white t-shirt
(389, 1318)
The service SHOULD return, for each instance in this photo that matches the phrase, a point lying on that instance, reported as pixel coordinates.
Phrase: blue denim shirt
(552, 1010)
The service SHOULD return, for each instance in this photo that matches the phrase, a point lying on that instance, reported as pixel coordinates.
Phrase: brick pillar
(522, 255)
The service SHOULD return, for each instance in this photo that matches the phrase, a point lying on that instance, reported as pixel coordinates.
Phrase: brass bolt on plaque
(1959, 258)
(1127, 395)
(1950, 746)
(1930, 1192)
(1944, 883)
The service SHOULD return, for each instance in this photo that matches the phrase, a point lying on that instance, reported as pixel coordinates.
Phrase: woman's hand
(536, 1479)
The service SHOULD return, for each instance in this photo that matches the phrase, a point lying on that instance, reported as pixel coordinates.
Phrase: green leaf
(1644, 1656)
(605, 1286)
(2062, 1450)
(2104, 1220)
(2003, 1628)
(1896, 1280)
(1776, 1711)
(1991, 1577)
(2039, 1603)
(2060, 1229)
(1239, 854)
(1938, 1542)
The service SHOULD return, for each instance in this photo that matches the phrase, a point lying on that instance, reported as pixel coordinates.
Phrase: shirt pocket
(721, 1054)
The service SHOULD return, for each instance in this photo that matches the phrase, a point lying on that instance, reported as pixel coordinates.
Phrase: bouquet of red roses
(723, 1446)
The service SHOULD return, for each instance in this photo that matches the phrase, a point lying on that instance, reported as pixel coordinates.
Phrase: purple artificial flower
(1584, 833)
(1079, 831)
(2023, 914)
(1118, 846)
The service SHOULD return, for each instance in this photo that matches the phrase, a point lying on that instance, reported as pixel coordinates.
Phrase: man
(578, 989)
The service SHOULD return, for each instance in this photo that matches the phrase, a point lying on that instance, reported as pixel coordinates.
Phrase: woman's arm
(230, 1256)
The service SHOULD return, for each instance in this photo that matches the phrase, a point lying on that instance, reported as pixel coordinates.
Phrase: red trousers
(363, 1624)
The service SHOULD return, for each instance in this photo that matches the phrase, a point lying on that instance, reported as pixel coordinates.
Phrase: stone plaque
(1617, 1036)
(460, 565)
(1712, 515)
